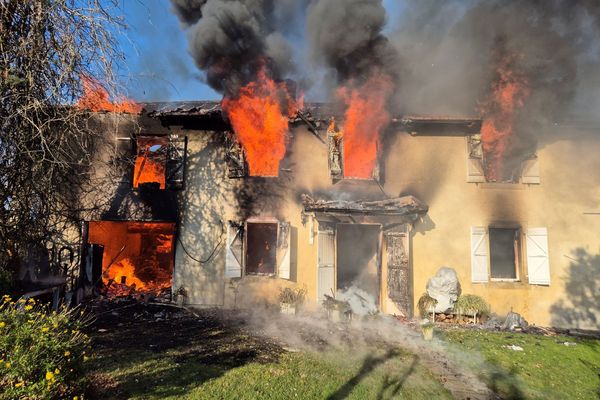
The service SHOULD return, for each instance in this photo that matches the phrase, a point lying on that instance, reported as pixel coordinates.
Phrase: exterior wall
(431, 168)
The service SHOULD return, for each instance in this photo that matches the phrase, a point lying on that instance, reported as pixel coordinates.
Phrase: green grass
(303, 375)
(545, 369)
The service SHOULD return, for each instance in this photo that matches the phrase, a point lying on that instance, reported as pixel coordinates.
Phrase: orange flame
(365, 118)
(259, 117)
(95, 98)
(123, 271)
(509, 91)
(150, 166)
(135, 255)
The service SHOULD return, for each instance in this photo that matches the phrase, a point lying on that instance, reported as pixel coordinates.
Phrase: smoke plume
(232, 41)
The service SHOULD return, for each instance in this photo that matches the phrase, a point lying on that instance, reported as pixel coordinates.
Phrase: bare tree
(46, 145)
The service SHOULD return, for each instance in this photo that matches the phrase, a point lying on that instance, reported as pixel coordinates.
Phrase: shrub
(292, 296)
(470, 303)
(425, 304)
(41, 353)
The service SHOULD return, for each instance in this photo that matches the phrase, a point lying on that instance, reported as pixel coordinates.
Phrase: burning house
(360, 197)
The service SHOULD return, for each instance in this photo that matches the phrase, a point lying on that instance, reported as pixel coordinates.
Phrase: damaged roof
(184, 112)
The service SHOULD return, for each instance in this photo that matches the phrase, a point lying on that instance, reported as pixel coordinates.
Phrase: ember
(138, 256)
(365, 118)
(509, 91)
(259, 116)
(95, 98)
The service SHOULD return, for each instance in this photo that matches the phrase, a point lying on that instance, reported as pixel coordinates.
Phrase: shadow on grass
(157, 352)
(504, 383)
(369, 364)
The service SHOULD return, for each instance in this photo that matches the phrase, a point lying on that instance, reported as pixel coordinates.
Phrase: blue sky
(158, 65)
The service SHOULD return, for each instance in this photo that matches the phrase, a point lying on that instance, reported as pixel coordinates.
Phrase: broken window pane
(261, 253)
(151, 161)
(504, 250)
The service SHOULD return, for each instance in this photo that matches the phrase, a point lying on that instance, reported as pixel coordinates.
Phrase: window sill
(505, 280)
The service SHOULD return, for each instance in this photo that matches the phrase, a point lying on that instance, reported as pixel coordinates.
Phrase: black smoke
(346, 35)
(231, 40)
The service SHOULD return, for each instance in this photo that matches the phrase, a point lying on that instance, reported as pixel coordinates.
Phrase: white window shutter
(283, 244)
(538, 265)
(233, 251)
(479, 255)
(475, 170)
(531, 171)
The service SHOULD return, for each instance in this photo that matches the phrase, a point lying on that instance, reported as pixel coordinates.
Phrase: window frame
(518, 259)
(264, 220)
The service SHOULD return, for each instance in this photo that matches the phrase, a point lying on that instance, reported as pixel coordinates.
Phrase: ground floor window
(261, 249)
(504, 252)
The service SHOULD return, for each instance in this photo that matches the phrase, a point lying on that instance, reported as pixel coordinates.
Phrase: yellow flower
(75, 398)
(28, 307)
(85, 358)
(2, 324)
(67, 353)
(45, 329)
(21, 301)
(57, 371)
(30, 321)
(18, 384)
(7, 365)
(49, 376)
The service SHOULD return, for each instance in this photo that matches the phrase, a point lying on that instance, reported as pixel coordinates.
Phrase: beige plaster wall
(431, 168)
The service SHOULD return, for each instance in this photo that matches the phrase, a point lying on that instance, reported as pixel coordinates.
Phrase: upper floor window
(337, 163)
(523, 171)
(160, 161)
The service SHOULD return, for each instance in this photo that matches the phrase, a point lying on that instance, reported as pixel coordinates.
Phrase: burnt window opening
(236, 159)
(151, 161)
(505, 247)
(527, 171)
(261, 248)
(160, 162)
(335, 144)
(129, 256)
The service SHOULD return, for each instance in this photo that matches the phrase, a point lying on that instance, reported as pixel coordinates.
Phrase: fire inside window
(151, 161)
(504, 252)
(335, 143)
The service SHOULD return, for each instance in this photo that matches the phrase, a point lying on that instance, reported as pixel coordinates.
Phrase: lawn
(177, 356)
(545, 369)
(153, 352)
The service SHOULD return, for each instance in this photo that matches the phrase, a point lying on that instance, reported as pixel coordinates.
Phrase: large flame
(365, 118)
(95, 98)
(259, 117)
(150, 165)
(508, 94)
(137, 256)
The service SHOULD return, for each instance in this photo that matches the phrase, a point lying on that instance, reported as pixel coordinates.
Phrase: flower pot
(427, 332)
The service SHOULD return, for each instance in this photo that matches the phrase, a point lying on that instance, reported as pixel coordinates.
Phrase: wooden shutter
(479, 255)
(176, 160)
(530, 171)
(283, 250)
(325, 265)
(538, 265)
(234, 250)
(475, 170)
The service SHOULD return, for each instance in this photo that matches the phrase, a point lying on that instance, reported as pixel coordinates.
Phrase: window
(526, 171)
(338, 167)
(497, 254)
(258, 247)
(261, 250)
(160, 161)
(151, 161)
(504, 253)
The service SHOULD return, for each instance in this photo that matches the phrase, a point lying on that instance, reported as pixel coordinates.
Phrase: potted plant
(290, 300)
(427, 329)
